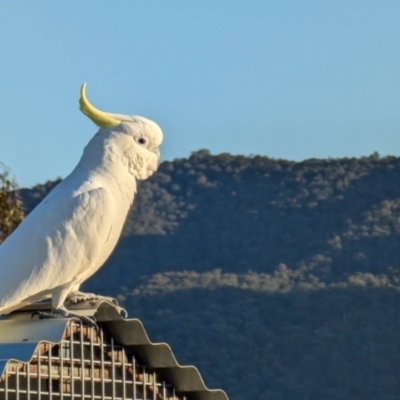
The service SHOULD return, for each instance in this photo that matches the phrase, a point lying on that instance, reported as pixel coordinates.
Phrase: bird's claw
(122, 311)
(114, 301)
(79, 297)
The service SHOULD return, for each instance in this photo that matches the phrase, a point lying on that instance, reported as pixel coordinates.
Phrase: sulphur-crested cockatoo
(71, 233)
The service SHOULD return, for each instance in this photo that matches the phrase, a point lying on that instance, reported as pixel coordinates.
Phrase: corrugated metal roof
(20, 335)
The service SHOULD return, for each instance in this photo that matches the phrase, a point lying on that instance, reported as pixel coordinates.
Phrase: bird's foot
(80, 297)
(64, 313)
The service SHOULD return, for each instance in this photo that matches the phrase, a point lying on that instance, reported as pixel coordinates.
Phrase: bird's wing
(63, 237)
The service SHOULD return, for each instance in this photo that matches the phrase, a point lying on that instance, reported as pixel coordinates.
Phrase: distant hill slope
(279, 279)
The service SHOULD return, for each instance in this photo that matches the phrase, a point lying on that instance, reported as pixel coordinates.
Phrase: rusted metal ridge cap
(20, 335)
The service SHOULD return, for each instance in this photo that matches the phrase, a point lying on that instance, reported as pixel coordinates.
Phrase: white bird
(72, 232)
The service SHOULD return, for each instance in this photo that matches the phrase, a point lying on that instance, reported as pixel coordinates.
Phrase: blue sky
(286, 79)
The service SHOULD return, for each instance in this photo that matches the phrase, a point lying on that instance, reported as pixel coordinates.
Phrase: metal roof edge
(18, 331)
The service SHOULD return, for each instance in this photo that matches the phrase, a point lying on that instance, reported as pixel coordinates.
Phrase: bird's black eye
(142, 140)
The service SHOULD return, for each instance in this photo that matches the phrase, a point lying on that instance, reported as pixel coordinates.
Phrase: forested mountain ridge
(326, 221)
(289, 271)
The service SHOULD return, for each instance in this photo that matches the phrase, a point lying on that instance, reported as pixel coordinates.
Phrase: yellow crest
(100, 118)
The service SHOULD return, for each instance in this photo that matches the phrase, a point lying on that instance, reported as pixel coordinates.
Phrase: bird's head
(138, 138)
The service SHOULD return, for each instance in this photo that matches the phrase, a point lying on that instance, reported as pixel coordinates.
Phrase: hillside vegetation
(278, 279)
(11, 207)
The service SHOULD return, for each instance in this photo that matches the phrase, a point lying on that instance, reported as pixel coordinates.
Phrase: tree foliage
(11, 208)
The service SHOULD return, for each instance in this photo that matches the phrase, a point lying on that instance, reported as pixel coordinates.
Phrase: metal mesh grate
(84, 365)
